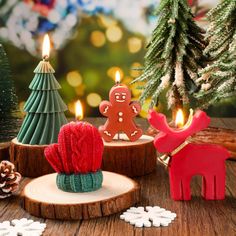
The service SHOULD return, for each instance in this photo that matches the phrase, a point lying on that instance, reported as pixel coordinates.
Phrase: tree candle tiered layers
(45, 116)
(130, 152)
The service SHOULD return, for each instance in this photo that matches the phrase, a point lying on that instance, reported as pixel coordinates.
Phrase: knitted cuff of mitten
(80, 182)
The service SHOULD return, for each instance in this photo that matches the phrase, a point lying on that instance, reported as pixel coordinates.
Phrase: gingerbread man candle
(120, 112)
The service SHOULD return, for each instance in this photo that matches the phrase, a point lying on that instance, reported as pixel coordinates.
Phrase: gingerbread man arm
(135, 108)
(105, 108)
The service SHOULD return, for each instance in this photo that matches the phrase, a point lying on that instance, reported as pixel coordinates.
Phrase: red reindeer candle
(186, 159)
(120, 112)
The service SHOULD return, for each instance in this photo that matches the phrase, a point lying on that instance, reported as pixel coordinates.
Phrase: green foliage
(45, 109)
(8, 100)
(174, 55)
(218, 79)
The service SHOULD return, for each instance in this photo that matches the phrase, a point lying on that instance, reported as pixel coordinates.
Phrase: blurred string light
(106, 21)
(74, 78)
(94, 99)
(134, 44)
(97, 38)
(114, 33)
(23, 22)
(80, 90)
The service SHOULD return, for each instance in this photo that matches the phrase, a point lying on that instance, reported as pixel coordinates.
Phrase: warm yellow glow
(21, 106)
(111, 72)
(133, 69)
(97, 38)
(114, 33)
(134, 44)
(94, 99)
(74, 78)
(117, 77)
(78, 110)
(46, 46)
(107, 21)
(179, 121)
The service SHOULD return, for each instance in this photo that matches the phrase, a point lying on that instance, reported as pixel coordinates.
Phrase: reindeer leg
(220, 186)
(175, 189)
(208, 187)
(186, 191)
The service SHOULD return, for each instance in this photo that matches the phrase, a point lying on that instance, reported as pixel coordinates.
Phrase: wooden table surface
(195, 217)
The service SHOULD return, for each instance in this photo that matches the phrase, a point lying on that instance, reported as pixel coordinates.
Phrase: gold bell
(164, 160)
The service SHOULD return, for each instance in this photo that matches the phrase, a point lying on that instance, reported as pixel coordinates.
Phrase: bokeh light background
(91, 40)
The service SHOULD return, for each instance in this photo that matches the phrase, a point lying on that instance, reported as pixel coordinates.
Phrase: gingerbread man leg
(132, 131)
(107, 132)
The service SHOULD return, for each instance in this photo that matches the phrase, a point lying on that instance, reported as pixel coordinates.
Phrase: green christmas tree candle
(45, 108)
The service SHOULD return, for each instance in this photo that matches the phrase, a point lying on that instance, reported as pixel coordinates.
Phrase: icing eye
(117, 97)
(123, 97)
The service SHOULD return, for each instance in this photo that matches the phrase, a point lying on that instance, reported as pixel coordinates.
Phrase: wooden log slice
(213, 135)
(130, 158)
(4, 151)
(29, 160)
(42, 198)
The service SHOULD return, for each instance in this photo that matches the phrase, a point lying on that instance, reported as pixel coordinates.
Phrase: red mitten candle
(120, 112)
(77, 157)
(188, 159)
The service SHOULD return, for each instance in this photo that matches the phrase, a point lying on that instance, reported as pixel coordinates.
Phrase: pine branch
(175, 52)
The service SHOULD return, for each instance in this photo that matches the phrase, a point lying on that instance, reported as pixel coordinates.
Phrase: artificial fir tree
(173, 57)
(8, 101)
(45, 108)
(218, 79)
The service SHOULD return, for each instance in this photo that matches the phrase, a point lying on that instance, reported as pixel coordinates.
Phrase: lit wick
(46, 48)
(117, 77)
(78, 110)
(179, 120)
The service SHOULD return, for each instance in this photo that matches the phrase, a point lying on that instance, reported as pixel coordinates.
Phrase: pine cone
(9, 179)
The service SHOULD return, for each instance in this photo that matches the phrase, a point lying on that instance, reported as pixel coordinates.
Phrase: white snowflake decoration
(148, 216)
(22, 227)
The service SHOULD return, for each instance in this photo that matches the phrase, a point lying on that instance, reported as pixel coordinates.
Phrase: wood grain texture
(29, 160)
(196, 217)
(131, 159)
(43, 199)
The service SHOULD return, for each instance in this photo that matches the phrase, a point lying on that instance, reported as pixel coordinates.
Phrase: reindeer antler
(158, 121)
(199, 122)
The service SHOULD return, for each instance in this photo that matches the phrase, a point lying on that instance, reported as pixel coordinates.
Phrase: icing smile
(120, 100)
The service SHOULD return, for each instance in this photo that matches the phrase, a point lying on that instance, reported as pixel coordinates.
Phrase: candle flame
(117, 77)
(179, 121)
(78, 110)
(46, 46)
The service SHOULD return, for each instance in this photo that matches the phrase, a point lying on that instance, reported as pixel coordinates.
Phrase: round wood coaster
(4, 151)
(29, 160)
(130, 158)
(42, 198)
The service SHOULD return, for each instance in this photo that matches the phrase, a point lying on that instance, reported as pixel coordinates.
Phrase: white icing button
(120, 119)
(120, 113)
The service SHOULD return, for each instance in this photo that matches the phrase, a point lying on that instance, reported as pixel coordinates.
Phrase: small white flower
(23, 227)
(148, 216)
